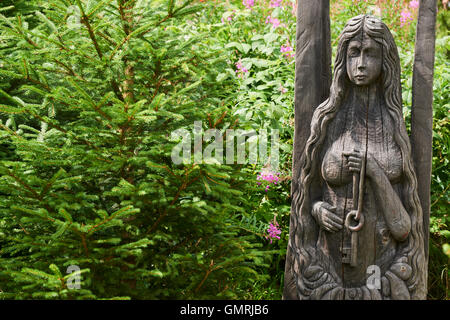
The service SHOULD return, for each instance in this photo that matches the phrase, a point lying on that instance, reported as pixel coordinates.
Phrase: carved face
(363, 61)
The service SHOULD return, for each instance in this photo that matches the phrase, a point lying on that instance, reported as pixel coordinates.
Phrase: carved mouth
(360, 77)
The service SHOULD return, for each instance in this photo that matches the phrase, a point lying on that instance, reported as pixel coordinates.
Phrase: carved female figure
(357, 208)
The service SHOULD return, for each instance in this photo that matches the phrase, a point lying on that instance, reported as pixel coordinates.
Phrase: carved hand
(396, 217)
(325, 215)
(354, 162)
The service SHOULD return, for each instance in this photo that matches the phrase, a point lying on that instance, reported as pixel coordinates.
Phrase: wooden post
(312, 87)
(422, 106)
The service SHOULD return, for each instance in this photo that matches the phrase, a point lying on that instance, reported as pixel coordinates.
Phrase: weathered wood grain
(312, 85)
(422, 106)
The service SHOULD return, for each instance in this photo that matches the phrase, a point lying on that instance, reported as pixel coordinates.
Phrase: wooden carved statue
(356, 209)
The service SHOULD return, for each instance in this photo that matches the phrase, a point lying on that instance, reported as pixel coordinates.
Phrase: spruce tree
(90, 92)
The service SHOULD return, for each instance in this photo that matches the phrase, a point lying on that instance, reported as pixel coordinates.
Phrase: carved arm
(396, 217)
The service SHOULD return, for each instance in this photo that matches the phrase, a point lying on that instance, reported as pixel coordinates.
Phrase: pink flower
(288, 50)
(230, 17)
(273, 232)
(376, 11)
(283, 89)
(414, 4)
(294, 8)
(285, 48)
(248, 3)
(406, 17)
(269, 177)
(275, 3)
(274, 21)
(240, 69)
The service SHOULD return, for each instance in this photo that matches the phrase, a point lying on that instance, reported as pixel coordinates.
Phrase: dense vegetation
(91, 92)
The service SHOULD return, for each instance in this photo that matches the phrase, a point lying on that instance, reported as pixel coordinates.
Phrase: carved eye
(353, 52)
(372, 53)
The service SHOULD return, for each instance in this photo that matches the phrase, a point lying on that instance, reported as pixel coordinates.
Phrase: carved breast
(352, 136)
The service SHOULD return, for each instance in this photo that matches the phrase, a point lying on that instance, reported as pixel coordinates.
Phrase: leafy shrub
(90, 97)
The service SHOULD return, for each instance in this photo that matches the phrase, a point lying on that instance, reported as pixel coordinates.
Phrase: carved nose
(361, 63)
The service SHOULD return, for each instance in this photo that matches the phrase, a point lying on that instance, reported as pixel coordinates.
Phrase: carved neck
(366, 97)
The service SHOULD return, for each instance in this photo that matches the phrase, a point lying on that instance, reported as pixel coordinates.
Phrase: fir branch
(23, 184)
(177, 195)
(10, 131)
(57, 127)
(61, 46)
(211, 179)
(24, 230)
(107, 38)
(127, 25)
(220, 119)
(93, 228)
(83, 241)
(69, 70)
(141, 33)
(207, 273)
(85, 20)
(158, 85)
(98, 7)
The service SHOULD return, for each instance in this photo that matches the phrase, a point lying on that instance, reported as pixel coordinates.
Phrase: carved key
(346, 254)
(354, 249)
(350, 255)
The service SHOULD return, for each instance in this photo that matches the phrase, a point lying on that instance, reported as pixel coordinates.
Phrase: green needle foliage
(90, 92)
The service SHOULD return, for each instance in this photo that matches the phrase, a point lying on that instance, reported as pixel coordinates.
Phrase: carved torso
(350, 130)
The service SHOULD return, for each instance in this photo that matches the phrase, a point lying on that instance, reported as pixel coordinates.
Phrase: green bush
(90, 93)
(88, 105)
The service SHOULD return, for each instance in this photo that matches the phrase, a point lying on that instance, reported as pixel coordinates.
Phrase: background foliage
(90, 92)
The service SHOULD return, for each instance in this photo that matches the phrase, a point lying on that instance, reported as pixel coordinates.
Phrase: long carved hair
(311, 280)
